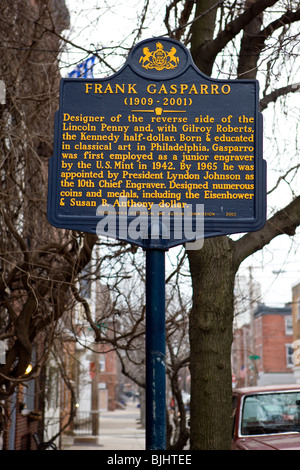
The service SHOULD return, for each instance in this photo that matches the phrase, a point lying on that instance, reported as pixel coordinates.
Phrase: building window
(102, 362)
(298, 309)
(289, 355)
(289, 325)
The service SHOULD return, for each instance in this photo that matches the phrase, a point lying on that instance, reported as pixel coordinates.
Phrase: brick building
(241, 366)
(273, 329)
(296, 330)
(108, 378)
(269, 358)
(23, 423)
(38, 408)
(98, 375)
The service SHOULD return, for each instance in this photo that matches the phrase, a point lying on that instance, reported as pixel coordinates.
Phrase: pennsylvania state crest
(159, 59)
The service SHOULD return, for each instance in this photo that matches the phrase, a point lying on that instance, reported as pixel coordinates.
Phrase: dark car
(266, 418)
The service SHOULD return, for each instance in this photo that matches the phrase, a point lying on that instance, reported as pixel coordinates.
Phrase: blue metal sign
(158, 139)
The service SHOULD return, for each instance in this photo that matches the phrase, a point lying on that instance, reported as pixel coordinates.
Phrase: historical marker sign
(158, 133)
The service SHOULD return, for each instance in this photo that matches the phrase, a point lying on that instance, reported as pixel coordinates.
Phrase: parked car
(266, 418)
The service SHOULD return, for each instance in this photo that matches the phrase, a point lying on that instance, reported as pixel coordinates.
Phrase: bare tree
(253, 33)
(121, 274)
(40, 265)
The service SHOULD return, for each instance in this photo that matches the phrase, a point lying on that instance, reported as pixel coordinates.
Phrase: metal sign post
(155, 351)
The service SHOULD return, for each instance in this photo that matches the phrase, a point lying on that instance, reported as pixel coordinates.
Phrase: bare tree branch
(274, 95)
(208, 51)
(284, 221)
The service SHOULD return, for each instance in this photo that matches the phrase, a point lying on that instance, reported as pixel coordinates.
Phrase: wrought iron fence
(87, 423)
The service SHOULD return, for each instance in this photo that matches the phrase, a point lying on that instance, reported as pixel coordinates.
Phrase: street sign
(254, 357)
(158, 140)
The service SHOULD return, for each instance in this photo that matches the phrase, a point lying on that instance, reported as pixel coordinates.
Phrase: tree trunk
(214, 267)
(203, 31)
(213, 271)
(250, 50)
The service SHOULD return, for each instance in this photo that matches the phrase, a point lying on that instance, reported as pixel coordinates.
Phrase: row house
(40, 406)
(296, 330)
(266, 358)
(273, 339)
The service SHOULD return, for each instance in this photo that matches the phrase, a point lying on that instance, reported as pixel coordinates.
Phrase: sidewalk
(119, 430)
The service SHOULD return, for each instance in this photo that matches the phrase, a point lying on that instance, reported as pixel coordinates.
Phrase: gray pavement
(118, 430)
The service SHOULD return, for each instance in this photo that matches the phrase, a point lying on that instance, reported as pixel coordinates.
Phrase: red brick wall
(25, 426)
(271, 341)
(295, 309)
